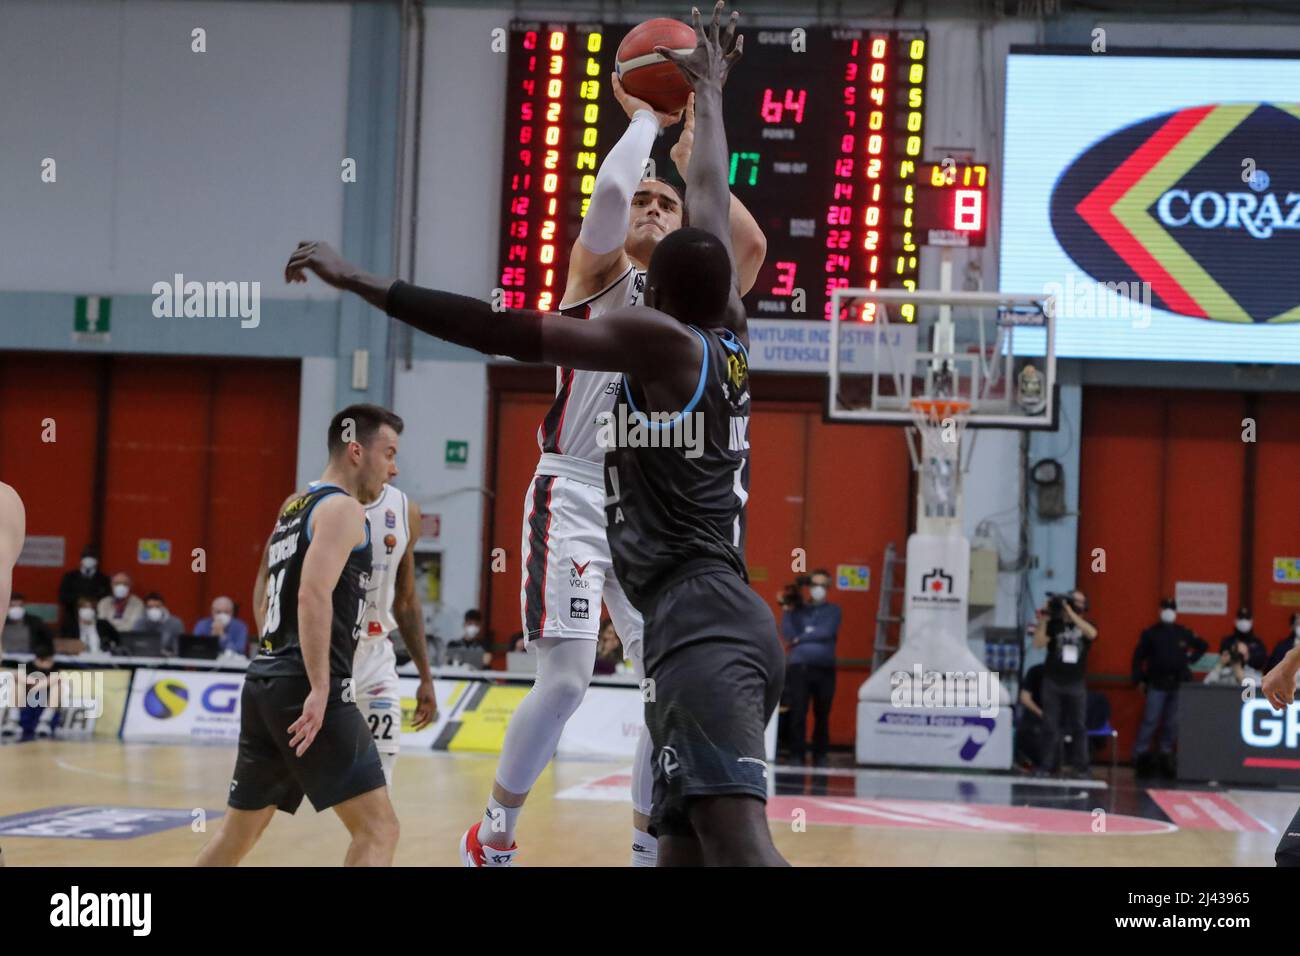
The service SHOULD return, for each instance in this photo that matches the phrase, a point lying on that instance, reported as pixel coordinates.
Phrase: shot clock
(950, 203)
(825, 132)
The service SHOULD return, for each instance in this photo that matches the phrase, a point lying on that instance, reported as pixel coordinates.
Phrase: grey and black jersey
(676, 484)
(279, 653)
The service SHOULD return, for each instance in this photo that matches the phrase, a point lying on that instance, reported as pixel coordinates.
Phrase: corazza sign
(1203, 205)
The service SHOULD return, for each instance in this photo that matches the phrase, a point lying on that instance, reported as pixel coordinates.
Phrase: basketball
(647, 75)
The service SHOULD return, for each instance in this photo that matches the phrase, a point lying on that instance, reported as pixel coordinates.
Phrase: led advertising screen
(1158, 197)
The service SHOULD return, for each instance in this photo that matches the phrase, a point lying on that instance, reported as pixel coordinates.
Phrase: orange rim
(938, 409)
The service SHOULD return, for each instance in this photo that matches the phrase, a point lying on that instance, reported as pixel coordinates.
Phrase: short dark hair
(153, 596)
(15, 596)
(473, 615)
(366, 421)
(690, 273)
(821, 571)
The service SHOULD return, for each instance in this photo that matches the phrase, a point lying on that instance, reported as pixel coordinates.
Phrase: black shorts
(341, 763)
(717, 666)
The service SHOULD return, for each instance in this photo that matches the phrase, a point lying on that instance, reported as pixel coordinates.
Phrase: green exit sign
(91, 315)
(457, 452)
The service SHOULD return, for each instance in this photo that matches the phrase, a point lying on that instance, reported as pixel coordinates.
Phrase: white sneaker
(473, 853)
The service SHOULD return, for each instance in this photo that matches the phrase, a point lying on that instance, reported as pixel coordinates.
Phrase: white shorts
(567, 572)
(379, 698)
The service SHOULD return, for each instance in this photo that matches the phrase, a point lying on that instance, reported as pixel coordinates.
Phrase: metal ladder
(889, 623)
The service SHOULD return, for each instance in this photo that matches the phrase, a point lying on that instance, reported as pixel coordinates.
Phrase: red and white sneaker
(473, 853)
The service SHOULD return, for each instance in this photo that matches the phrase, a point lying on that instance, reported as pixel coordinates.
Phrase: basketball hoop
(939, 425)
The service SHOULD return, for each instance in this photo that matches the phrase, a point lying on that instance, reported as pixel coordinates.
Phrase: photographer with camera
(1160, 665)
(810, 630)
(1233, 668)
(1068, 637)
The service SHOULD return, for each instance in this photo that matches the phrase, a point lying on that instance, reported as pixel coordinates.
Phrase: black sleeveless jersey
(279, 654)
(676, 484)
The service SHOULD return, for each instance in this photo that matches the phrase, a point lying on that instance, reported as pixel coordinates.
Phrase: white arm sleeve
(604, 228)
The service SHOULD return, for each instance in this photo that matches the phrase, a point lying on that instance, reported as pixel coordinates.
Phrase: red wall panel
(1276, 513)
(198, 452)
(55, 479)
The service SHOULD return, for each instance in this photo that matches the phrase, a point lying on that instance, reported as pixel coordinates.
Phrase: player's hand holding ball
(715, 53)
(632, 103)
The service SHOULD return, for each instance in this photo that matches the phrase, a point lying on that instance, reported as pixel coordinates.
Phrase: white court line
(64, 765)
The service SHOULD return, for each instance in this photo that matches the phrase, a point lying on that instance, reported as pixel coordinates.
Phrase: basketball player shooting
(300, 730)
(1279, 690)
(675, 515)
(391, 605)
(566, 569)
(13, 529)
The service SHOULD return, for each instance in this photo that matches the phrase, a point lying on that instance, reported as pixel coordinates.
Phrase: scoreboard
(824, 127)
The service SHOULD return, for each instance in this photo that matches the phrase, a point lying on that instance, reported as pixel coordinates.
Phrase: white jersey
(389, 534)
(567, 436)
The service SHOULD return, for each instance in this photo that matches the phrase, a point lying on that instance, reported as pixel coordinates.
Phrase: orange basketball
(647, 75)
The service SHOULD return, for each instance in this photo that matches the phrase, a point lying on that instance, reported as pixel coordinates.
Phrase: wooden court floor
(437, 795)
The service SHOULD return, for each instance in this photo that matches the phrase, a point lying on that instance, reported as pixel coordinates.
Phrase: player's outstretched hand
(304, 730)
(320, 258)
(426, 706)
(715, 53)
(632, 103)
(1279, 686)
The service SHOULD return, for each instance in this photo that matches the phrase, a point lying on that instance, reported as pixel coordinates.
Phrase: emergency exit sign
(90, 318)
(457, 452)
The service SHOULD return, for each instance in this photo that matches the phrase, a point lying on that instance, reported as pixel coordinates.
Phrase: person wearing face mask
(95, 633)
(1068, 637)
(810, 631)
(472, 636)
(122, 609)
(86, 580)
(159, 620)
(23, 627)
(1161, 663)
(1245, 633)
(1284, 645)
(223, 625)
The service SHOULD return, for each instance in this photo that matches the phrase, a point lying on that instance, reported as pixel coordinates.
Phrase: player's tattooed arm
(410, 622)
(706, 68)
(748, 243)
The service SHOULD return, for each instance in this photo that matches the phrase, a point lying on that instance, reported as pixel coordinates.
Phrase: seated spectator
(39, 714)
(95, 633)
(84, 581)
(1234, 668)
(1245, 632)
(518, 642)
(21, 626)
(223, 625)
(609, 650)
(122, 609)
(159, 620)
(1285, 644)
(473, 636)
(1029, 721)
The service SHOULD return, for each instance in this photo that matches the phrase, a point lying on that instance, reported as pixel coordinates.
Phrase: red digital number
(785, 284)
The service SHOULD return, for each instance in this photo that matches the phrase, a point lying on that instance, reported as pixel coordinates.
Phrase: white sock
(645, 849)
(498, 826)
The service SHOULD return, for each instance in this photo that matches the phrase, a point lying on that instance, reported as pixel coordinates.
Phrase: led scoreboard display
(824, 127)
(950, 202)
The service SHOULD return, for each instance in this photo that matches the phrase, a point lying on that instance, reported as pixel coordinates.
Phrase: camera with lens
(792, 594)
(1056, 606)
